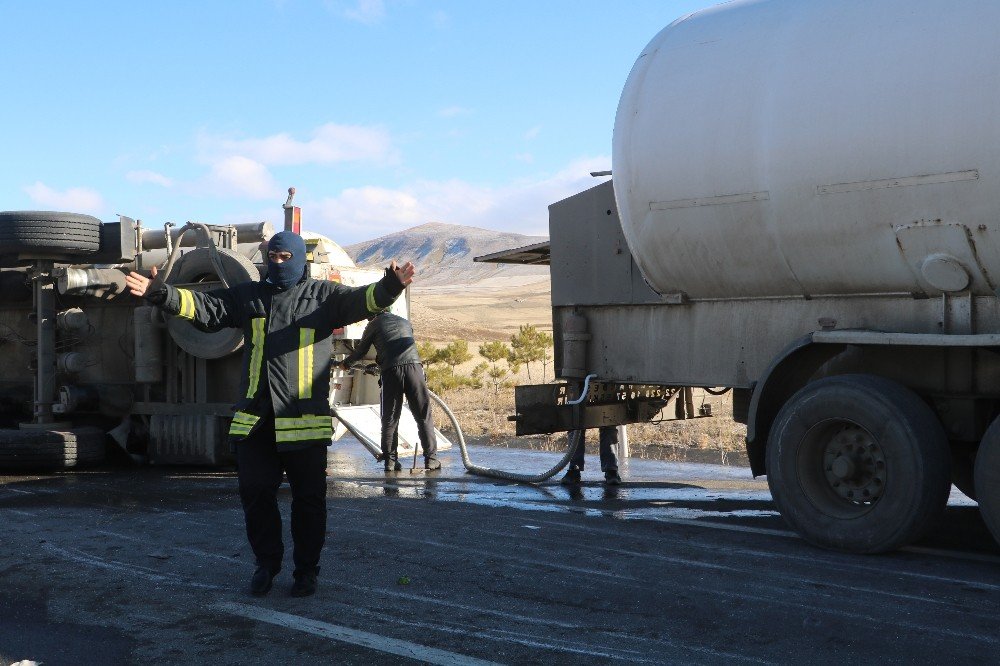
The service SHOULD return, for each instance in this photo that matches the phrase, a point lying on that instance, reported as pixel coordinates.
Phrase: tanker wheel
(858, 463)
(195, 267)
(987, 476)
(48, 233)
(47, 450)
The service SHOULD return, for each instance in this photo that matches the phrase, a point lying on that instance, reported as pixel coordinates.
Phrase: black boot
(572, 477)
(260, 583)
(304, 585)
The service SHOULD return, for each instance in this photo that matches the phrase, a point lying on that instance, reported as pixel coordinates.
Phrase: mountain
(443, 254)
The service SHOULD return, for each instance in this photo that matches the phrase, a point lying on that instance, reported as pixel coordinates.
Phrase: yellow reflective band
(242, 423)
(307, 336)
(304, 422)
(302, 435)
(256, 354)
(370, 298)
(187, 304)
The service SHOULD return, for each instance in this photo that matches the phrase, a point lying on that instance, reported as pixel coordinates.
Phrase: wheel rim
(842, 468)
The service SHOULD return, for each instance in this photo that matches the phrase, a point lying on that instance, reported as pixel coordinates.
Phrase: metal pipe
(251, 232)
(45, 349)
(90, 281)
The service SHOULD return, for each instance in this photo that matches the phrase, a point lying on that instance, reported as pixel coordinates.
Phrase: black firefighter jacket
(287, 348)
(392, 336)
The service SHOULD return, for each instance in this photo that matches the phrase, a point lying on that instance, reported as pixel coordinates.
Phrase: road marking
(527, 619)
(353, 636)
(489, 553)
(940, 552)
(190, 551)
(560, 645)
(123, 567)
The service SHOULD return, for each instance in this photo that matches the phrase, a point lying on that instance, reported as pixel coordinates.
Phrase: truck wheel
(47, 233)
(858, 463)
(195, 267)
(988, 478)
(50, 449)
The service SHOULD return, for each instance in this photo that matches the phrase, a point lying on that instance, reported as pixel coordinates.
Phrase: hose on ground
(496, 473)
(573, 439)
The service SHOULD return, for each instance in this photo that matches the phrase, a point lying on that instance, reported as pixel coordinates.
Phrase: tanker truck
(804, 207)
(88, 368)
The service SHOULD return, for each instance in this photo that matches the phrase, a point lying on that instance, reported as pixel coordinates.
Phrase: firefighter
(282, 419)
(402, 374)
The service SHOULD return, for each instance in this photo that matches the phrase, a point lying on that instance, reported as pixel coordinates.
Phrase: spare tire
(47, 233)
(194, 267)
(50, 449)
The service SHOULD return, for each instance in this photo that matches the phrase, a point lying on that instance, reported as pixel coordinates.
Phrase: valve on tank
(74, 320)
(72, 362)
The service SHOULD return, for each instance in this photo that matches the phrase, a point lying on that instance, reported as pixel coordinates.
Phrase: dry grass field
(480, 313)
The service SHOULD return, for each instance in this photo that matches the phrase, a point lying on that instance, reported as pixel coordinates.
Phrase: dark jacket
(287, 348)
(392, 336)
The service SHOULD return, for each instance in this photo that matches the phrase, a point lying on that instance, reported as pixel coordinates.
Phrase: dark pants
(260, 466)
(609, 456)
(406, 380)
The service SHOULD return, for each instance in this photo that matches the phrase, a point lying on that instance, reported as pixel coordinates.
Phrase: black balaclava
(287, 273)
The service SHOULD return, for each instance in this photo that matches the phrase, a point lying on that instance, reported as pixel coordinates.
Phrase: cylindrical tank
(148, 341)
(574, 347)
(815, 147)
(250, 232)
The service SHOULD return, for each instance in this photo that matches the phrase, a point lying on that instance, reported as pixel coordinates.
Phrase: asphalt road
(682, 564)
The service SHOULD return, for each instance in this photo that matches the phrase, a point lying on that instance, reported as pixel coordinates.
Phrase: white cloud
(369, 212)
(527, 158)
(149, 177)
(440, 20)
(533, 132)
(73, 200)
(242, 177)
(366, 11)
(330, 143)
(452, 111)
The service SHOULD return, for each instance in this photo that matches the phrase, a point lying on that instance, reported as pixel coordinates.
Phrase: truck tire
(194, 267)
(48, 450)
(858, 463)
(988, 478)
(48, 233)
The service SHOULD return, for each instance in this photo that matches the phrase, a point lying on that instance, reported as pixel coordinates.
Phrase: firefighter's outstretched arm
(351, 304)
(404, 273)
(210, 311)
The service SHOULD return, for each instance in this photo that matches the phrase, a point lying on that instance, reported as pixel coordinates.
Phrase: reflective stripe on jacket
(287, 346)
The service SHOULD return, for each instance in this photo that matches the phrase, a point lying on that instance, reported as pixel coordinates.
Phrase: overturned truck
(86, 366)
(804, 208)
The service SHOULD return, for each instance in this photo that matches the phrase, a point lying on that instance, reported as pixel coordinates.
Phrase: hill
(443, 255)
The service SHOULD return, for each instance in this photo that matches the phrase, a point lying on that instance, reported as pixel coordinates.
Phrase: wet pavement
(683, 563)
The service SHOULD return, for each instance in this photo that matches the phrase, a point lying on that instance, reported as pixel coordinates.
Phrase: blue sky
(384, 114)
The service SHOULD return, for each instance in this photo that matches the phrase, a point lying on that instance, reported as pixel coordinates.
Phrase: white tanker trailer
(805, 208)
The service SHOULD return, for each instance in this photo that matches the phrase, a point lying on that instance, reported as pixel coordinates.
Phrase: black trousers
(259, 466)
(406, 380)
(608, 445)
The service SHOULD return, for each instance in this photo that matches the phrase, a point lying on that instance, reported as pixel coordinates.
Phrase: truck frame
(860, 410)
